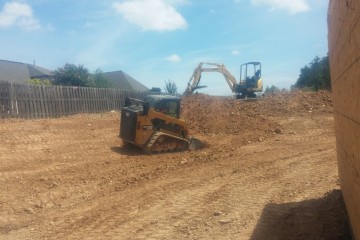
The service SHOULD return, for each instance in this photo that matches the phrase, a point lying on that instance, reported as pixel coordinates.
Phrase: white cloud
(151, 15)
(177, 2)
(90, 24)
(18, 14)
(235, 52)
(293, 6)
(174, 58)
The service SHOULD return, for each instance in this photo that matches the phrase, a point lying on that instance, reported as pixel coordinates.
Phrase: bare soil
(269, 171)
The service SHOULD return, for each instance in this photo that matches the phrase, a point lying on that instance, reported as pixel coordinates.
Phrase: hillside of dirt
(269, 171)
(250, 120)
(230, 116)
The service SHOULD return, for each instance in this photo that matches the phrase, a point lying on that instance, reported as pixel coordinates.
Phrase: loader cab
(166, 104)
(250, 73)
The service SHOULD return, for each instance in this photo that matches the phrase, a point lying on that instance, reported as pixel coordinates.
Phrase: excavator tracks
(163, 142)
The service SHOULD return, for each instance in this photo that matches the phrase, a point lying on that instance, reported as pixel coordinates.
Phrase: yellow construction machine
(249, 85)
(154, 125)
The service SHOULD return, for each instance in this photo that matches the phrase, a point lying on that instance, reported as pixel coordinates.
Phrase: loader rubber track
(163, 142)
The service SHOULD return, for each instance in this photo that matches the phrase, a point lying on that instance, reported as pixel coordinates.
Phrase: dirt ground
(268, 172)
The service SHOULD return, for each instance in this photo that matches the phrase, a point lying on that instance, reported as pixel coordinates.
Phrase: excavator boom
(196, 76)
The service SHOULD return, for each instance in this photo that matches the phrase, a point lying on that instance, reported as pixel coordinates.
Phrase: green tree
(100, 79)
(170, 87)
(271, 90)
(38, 81)
(72, 75)
(155, 89)
(316, 75)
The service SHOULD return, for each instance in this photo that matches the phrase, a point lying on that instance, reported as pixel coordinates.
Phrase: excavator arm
(196, 76)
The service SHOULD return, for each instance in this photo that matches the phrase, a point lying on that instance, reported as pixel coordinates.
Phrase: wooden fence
(35, 101)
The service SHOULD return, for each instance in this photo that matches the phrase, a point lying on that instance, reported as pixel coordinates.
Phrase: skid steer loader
(154, 125)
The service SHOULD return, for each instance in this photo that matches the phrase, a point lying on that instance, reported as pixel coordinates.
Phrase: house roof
(17, 72)
(121, 80)
(20, 72)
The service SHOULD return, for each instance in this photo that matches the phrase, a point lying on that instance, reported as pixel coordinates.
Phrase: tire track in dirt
(187, 204)
(70, 178)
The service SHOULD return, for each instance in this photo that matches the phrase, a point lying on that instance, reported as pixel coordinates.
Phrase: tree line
(72, 75)
(313, 76)
(80, 76)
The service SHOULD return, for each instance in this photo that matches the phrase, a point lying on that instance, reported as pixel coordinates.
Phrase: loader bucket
(195, 144)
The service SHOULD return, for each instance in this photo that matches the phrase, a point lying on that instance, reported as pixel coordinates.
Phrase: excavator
(154, 124)
(249, 84)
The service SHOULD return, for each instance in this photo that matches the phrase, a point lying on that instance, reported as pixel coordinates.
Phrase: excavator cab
(250, 78)
(250, 72)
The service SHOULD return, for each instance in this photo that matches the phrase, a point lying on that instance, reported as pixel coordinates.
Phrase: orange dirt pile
(295, 103)
(210, 115)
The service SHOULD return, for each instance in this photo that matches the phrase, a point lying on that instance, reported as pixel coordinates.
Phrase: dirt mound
(296, 102)
(220, 115)
(215, 115)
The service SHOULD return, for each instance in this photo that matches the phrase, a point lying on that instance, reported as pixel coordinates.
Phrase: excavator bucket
(195, 144)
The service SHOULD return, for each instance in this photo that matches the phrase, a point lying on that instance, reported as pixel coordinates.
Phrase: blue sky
(159, 40)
